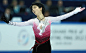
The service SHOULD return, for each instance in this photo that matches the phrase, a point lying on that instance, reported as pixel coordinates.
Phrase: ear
(41, 8)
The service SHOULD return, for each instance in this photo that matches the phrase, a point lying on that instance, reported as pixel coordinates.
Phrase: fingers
(82, 8)
(4, 19)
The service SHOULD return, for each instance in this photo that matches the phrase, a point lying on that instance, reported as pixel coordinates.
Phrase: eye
(34, 7)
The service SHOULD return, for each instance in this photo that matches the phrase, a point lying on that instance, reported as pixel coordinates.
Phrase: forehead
(34, 6)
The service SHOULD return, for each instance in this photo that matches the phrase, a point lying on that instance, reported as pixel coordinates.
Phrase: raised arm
(25, 23)
(58, 18)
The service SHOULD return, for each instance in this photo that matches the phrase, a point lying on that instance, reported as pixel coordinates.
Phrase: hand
(82, 8)
(4, 19)
(79, 9)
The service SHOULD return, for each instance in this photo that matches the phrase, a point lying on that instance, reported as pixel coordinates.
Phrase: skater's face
(36, 10)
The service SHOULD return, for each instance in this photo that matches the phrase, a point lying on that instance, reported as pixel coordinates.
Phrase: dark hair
(39, 5)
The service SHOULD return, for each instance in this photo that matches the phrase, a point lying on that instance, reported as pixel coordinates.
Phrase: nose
(32, 9)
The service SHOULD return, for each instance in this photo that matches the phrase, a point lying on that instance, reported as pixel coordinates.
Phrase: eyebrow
(34, 6)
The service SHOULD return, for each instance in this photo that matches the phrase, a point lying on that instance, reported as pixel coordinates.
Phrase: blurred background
(20, 8)
(67, 36)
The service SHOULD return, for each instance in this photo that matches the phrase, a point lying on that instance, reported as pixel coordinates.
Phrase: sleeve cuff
(77, 10)
(12, 23)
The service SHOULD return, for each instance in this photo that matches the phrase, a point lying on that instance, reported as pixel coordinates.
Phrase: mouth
(34, 11)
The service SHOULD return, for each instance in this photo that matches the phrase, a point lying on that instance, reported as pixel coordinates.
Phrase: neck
(41, 17)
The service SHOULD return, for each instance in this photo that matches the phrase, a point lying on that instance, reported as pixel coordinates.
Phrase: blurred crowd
(19, 9)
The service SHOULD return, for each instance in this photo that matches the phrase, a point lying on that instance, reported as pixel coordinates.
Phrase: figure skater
(41, 26)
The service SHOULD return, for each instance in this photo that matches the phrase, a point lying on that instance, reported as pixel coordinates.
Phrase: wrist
(77, 10)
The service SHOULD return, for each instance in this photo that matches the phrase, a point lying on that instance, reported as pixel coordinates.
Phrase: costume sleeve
(58, 18)
(25, 23)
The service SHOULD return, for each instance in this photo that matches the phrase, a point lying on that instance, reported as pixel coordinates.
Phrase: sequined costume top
(42, 35)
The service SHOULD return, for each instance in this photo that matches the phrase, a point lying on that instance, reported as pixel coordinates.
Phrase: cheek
(37, 11)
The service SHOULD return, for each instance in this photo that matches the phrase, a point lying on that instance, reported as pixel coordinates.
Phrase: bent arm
(58, 18)
(25, 23)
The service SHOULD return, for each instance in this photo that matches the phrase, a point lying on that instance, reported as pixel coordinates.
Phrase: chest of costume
(45, 35)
